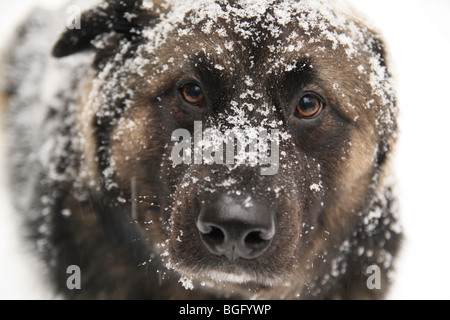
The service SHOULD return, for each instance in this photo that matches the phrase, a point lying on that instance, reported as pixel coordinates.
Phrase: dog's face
(305, 69)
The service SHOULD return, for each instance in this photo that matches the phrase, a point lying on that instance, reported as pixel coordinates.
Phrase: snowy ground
(418, 34)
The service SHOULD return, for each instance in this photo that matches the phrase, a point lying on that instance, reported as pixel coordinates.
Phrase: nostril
(214, 237)
(254, 238)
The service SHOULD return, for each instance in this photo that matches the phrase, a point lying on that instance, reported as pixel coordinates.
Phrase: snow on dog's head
(309, 70)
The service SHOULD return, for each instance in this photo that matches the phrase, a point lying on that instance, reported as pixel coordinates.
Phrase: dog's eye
(309, 106)
(192, 93)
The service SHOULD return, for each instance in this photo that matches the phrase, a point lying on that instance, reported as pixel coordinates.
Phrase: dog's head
(244, 136)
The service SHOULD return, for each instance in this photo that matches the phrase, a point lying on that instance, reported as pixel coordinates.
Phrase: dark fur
(325, 238)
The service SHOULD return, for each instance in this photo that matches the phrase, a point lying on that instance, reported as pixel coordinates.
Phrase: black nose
(236, 228)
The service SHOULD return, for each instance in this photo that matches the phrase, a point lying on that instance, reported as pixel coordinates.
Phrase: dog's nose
(236, 228)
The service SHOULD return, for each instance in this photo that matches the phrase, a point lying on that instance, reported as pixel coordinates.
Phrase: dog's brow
(300, 67)
(204, 62)
(207, 66)
(302, 71)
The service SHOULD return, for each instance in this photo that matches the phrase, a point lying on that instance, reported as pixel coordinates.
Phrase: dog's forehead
(275, 25)
(270, 37)
(262, 40)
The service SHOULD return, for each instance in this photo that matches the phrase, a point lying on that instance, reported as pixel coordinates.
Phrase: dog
(209, 149)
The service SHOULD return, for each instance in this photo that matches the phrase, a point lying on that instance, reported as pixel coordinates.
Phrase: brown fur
(123, 164)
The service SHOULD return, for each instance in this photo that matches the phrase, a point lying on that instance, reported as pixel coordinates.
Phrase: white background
(418, 35)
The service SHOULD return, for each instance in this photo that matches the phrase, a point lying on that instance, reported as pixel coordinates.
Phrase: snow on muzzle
(253, 146)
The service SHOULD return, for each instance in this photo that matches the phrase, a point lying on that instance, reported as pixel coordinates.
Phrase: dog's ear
(386, 143)
(378, 48)
(120, 16)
